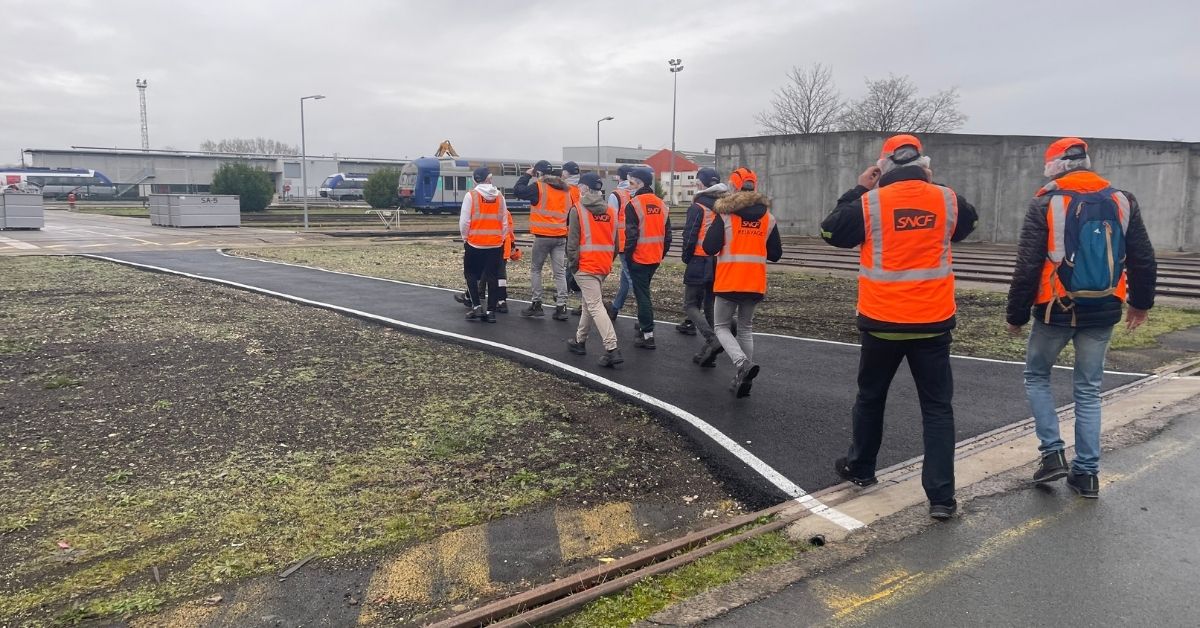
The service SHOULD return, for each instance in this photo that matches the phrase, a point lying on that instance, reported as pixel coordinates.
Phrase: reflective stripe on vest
(652, 229)
(706, 219)
(597, 240)
(548, 217)
(485, 229)
(742, 262)
(906, 275)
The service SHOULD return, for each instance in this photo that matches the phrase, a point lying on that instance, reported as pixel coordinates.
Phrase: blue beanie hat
(708, 177)
(481, 174)
(623, 171)
(591, 180)
(643, 174)
(543, 167)
(570, 168)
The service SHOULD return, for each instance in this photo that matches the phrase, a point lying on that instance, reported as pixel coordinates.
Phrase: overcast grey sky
(505, 79)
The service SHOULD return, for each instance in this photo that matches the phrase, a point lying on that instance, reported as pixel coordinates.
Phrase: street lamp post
(676, 68)
(604, 119)
(304, 158)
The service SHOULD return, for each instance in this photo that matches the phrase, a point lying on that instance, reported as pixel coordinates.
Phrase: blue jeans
(1045, 343)
(623, 287)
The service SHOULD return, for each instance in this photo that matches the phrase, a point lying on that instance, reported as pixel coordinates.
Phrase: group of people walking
(1084, 253)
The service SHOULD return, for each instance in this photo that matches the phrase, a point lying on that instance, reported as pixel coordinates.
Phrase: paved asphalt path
(1030, 558)
(796, 420)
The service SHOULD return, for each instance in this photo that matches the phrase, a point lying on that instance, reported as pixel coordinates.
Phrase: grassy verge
(135, 212)
(657, 593)
(165, 436)
(798, 303)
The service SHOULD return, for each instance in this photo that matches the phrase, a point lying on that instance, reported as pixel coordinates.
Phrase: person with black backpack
(1084, 252)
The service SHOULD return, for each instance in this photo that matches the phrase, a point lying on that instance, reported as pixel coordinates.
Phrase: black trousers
(929, 362)
(482, 265)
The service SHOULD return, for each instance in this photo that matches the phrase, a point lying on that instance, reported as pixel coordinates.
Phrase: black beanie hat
(543, 167)
(481, 174)
(643, 174)
(591, 180)
(570, 168)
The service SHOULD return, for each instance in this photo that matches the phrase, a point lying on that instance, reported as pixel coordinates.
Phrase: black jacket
(633, 228)
(700, 268)
(748, 205)
(1140, 266)
(845, 228)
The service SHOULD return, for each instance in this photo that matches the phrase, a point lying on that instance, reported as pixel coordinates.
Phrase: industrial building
(626, 155)
(139, 173)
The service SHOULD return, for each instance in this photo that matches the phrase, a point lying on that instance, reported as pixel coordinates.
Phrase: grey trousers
(594, 311)
(556, 250)
(740, 348)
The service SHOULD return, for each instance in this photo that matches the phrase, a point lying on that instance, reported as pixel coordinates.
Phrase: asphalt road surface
(794, 424)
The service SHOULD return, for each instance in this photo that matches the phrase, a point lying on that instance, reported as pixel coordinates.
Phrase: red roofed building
(686, 184)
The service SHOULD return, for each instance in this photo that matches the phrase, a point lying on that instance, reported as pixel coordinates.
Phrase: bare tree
(257, 146)
(808, 103)
(893, 105)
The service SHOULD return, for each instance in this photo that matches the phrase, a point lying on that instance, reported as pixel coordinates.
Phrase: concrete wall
(805, 175)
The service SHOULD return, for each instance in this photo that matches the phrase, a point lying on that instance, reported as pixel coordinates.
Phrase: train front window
(330, 182)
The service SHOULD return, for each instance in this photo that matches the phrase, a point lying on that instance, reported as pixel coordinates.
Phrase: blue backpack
(1089, 238)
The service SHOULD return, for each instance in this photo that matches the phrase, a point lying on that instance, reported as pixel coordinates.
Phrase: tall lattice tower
(141, 85)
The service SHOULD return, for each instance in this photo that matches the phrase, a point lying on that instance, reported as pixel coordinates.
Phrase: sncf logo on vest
(913, 219)
(653, 210)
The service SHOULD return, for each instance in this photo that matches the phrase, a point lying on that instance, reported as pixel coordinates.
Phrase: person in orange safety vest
(647, 241)
(593, 241)
(904, 225)
(484, 225)
(743, 237)
(550, 196)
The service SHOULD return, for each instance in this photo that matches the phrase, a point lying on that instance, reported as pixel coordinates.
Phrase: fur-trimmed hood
(554, 182)
(747, 204)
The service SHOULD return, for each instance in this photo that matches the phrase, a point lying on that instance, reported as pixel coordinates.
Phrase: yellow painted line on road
(592, 532)
(184, 243)
(455, 563)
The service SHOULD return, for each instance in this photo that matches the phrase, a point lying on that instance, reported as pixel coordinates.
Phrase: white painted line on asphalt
(17, 244)
(777, 479)
(757, 333)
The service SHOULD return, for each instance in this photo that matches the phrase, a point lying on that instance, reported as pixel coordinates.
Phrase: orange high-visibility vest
(652, 228)
(706, 219)
(905, 274)
(1052, 287)
(742, 262)
(623, 198)
(486, 229)
(511, 239)
(597, 240)
(548, 216)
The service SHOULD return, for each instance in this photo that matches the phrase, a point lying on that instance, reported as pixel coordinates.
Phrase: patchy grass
(798, 303)
(134, 212)
(659, 592)
(216, 435)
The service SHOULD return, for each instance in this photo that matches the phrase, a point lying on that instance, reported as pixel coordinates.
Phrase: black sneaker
(463, 298)
(489, 317)
(708, 355)
(534, 309)
(560, 313)
(1053, 467)
(842, 468)
(611, 358)
(687, 328)
(745, 378)
(576, 347)
(502, 307)
(942, 512)
(644, 342)
(1086, 485)
(476, 314)
(612, 311)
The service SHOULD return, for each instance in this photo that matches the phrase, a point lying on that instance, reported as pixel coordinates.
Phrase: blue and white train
(59, 182)
(344, 186)
(431, 185)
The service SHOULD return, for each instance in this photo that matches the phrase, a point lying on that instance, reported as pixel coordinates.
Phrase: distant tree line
(257, 145)
(809, 102)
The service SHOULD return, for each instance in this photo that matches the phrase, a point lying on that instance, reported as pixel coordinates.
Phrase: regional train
(431, 185)
(59, 182)
(344, 186)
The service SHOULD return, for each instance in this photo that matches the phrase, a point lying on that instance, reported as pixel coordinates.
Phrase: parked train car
(344, 186)
(59, 182)
(431, 185)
